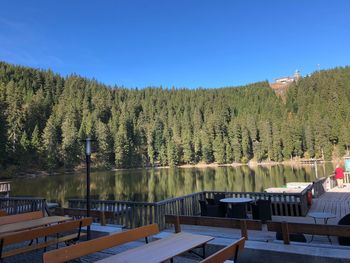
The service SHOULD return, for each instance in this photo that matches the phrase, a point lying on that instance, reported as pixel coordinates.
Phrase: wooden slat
(312, 229)
(77, 212)
(41, 245)
(160, 250)
(18, 237)
(98, 244)
(28, 224)
(214, 221)
(20, 217)
(226, 253)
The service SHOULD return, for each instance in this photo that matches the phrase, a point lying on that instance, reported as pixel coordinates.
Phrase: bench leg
(45, 240)
(197, 254)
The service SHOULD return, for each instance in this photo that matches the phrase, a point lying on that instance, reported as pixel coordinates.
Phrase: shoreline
(32, 173)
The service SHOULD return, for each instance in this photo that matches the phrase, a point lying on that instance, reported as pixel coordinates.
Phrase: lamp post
(88, 160)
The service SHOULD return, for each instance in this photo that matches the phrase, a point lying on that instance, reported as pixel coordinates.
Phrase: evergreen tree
(51, 141)
(158, 126)
(70, 146)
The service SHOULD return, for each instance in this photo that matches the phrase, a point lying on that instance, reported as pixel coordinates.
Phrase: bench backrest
(20, 217)
(226, 253)
(287, 228)
(98, 244)
(77, 212)
(242, 224)
(21, 236)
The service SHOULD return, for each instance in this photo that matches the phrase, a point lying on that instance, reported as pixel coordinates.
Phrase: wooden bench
(98, 244)
(242, 224)
(20, 217)
(312, 229)
(76, 213)
(58, 231)
(226, 253)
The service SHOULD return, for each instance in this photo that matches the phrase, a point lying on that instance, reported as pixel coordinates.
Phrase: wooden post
(177, 225)
(285, 232)
(244, 232)
(102, 218)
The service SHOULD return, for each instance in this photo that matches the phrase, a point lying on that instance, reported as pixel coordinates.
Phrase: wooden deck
(335, 201)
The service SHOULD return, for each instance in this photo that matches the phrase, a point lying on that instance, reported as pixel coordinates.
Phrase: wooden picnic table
(160, 250)
(19, 226)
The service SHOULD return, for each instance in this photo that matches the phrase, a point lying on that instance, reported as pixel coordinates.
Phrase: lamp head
(88, 146)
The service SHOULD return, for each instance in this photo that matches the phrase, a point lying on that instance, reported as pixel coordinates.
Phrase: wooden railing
(243, 224)
(135, 214)
(127, 213)
(324, 184)
(5, 188)
(283, 204)
(18, 205)
(346, 177)
(319, 187)
(103, 217)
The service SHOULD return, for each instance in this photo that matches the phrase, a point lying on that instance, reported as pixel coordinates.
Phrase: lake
(158, 184)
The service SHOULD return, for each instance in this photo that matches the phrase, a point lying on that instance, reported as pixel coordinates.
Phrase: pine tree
(35, 140)
(173, 157)
(51, 143)
(122, 147)
(105, 145)
(219, 150)
(3, 137)
(70, 149)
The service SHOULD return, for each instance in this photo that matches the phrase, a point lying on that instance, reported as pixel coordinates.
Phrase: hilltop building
(281, 84)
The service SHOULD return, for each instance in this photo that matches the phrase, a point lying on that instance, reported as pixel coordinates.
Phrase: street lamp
(88, 161)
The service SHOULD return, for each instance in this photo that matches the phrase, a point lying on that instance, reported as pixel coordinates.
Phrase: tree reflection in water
(157, 184)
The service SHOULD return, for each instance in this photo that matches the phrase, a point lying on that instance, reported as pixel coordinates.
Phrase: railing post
(177, 225)
(102, 218)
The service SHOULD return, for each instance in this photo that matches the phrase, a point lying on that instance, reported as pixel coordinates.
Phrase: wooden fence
(18, 205)
(347, 177)
(135, 214)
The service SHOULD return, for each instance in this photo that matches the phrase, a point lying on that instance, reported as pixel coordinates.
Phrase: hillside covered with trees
(44, 117)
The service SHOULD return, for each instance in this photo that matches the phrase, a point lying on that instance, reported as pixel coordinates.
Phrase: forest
(44, 118)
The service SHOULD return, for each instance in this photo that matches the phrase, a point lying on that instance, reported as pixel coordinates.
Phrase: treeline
(44, 117)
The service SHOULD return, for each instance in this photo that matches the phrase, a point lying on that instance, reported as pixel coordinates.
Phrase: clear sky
(181, 43)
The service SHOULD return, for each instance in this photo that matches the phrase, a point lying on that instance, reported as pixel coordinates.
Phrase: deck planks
(335, 201)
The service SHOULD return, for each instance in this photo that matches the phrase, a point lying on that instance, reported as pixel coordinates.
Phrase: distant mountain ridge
(44, 116)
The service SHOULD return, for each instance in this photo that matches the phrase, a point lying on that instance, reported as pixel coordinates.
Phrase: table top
(160, 250)
(24, 225)
(321, 215)
(236, 200)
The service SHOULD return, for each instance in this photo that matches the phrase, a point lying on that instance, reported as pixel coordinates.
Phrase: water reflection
(158, 184)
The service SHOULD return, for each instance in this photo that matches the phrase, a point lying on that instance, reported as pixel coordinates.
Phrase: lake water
(158, 184)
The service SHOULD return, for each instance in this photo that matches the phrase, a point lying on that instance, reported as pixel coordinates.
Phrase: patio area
(261, 246)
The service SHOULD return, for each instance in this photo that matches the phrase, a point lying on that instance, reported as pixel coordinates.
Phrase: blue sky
(181, 43)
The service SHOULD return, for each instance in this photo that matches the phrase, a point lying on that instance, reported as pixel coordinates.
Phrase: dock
(311, 161)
